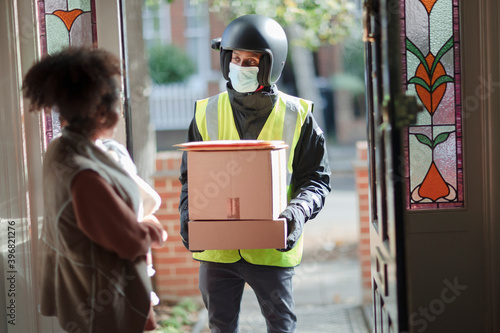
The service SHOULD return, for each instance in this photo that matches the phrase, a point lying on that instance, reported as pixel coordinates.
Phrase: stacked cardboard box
(237, 189)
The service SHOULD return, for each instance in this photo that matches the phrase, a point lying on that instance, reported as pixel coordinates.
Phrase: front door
(385, 123)
(434, 231)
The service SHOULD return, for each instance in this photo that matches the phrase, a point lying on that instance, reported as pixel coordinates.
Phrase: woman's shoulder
(65, 158)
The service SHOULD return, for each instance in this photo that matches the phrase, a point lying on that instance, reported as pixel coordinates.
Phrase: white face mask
(243, 79)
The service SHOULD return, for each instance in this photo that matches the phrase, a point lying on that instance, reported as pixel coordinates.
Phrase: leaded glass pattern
(64, 23)
(431, 71)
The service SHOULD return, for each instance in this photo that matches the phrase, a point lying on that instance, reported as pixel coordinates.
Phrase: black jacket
(311, 169)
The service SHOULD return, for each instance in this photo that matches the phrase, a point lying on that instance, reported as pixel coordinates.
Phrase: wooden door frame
(385, 130)
(488, 95)
(481, 105)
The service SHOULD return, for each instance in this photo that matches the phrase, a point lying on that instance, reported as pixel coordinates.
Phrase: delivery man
(253, 51)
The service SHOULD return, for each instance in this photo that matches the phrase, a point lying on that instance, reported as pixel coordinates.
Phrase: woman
(92, 250)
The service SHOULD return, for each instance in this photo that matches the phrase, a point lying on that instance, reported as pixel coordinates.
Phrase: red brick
(159, 164)
(165, 252)
(174, 237)
(362, 185)
(361, 173)
(364, 245)
(170, 196)
(170, 261)
(364, 205)
(169, 199)
(161, 191)
(160, 183)
(176, 184)
(167, 218)
(187, 270)
(177, 227)
(163, 271)
(364, 194)
(188, 292)
(180, 248)
(364, 251)
(364, 242)
(170, 164)
(365, 230)
(364, 213)
(157, 252)
(171, 280)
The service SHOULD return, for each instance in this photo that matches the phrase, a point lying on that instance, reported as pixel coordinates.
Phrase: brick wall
(178, 24)
(176, 271)
(362, 189)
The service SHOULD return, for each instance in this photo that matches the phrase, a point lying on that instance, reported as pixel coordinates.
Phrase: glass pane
(431, 63)
(64, 23)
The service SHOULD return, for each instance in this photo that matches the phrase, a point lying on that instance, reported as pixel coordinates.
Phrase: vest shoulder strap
(212, 113)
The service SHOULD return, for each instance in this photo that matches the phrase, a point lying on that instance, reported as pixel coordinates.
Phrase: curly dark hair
(80, 84)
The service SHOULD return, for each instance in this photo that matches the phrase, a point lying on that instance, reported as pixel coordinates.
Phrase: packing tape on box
(233, 208)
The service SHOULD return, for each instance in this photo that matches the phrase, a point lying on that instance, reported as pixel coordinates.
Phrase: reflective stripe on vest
(215, 121)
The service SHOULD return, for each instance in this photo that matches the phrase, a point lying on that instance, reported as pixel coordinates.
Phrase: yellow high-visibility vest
(215, 121)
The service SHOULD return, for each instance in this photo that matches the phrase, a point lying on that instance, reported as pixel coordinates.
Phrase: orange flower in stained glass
(428, 4)
(68, 17)
(430, 77)
(430, 97)
(434, 186)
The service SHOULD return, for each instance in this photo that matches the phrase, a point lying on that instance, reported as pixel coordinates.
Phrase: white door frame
(22, 144)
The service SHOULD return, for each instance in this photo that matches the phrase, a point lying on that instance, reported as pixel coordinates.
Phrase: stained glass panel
(64, 23)
(431, 71)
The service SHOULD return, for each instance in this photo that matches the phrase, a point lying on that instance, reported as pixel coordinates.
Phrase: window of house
(64, 23)
(431, 71)
(198, 35)
(156, 26)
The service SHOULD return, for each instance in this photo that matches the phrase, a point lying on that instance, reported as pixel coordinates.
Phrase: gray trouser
(221, 286)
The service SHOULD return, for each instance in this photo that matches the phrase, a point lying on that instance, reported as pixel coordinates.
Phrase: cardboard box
(234, 235)
(235, 183)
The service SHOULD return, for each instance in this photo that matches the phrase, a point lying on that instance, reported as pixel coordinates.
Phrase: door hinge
(406, 109)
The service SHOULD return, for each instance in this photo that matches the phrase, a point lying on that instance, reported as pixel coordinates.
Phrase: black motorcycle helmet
(255, 33)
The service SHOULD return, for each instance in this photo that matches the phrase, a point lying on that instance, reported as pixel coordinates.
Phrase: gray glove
(295, 218)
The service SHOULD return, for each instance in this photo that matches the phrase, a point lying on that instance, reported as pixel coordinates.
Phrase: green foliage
(352, 78)
(321, 21)
(155, 3)
(180, 314)
(169, 64)
(188, 304)
(353, 57)
(348, 82)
